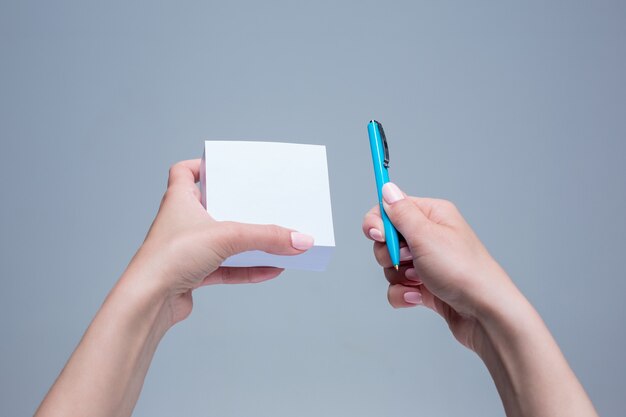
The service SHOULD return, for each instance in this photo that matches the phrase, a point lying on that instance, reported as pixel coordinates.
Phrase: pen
(380, 157)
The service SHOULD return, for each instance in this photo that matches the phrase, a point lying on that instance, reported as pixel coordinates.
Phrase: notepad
(271, 183)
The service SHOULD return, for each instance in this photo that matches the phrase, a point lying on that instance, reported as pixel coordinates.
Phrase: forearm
(530, 372)
(104, 375)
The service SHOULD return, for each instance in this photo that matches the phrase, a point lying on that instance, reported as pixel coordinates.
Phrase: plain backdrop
(515, 111)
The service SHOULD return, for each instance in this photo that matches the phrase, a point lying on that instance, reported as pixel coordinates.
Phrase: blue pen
(380, 156)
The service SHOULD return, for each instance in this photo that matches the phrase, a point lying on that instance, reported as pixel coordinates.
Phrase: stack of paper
(271, 183)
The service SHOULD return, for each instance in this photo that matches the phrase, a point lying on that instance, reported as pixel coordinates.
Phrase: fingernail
(265, 274)
(405, 254)
(413, 297)
(261, 278)
(411, 275)
(376, 235)
(301, 241)
(391, 193)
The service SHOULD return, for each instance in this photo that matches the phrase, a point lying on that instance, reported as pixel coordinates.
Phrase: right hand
(444, 265)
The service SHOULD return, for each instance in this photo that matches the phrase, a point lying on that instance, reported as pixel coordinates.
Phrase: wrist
(145, 297)
(506, 322)
(501, 312)
(149, 266)
(487, 292)
(154, 279)
(143, 301)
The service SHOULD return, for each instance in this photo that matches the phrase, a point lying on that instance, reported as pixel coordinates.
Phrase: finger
(401, 296)
(184, 173)
(381, 253)
(231, 275)
(404, 213)
(438, 211)
(405, 275)
(230, 238)
(373, 225)
(432, 302)
(411, 275)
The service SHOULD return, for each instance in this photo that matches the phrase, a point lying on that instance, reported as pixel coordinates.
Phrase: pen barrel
(391, 238)
(382, 177)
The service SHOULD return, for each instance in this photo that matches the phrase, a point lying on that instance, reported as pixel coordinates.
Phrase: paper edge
(315, 259)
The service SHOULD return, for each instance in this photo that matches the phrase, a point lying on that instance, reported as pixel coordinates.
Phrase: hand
(447, 269)
(185, 246)
(444, 265)
(183, 251)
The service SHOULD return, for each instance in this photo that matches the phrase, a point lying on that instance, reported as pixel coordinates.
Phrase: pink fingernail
(301, 241)
(391, 193)
(376, 235)
(413, 297)
(405, 254)
(262, 278)
(265, 274)
(411, 275)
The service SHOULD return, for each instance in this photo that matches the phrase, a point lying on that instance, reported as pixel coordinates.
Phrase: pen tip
(396, 266)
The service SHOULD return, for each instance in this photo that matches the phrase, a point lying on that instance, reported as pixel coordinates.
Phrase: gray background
(516, 112)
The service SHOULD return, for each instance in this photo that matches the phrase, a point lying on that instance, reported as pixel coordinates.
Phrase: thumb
(405, 215)
(230, 238)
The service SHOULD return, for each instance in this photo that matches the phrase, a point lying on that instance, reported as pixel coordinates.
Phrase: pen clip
(385, 145)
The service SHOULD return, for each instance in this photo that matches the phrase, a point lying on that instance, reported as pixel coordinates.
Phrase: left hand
(185, 246)
(444, 266)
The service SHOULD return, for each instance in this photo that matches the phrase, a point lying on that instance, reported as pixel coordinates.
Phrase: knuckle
(404, 206)
(404, 211)
(175, 166)
(370, 220)
(373, 211)
(273, 236)
(448, 206)
(172, 170)
(275, 233)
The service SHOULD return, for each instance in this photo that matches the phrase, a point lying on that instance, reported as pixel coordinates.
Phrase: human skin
(446, 268)
(182, 252)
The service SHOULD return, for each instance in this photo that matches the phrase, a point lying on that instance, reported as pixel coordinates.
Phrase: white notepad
(271, 183)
